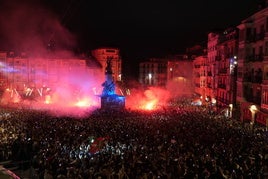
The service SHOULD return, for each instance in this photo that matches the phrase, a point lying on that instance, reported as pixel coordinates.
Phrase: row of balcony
(253, 79)
(223, 70)
(253, 99)
(254, 58)
(254, 38)
(222, 86)
(222, 100)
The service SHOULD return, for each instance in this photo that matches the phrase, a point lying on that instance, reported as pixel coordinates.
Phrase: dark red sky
(146, 24)
(147, 28)
(141, 28)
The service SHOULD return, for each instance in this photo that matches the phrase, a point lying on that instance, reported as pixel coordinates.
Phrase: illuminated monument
(109, 99)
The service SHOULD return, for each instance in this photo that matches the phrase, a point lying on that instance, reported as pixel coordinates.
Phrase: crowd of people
(176, 142)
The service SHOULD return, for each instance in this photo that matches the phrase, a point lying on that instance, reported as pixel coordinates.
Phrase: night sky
(142, 28)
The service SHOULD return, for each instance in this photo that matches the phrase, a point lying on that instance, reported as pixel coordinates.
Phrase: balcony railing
(253, 99)
(222, 100)
(253, 79)
(217, 58)
(251, 38)
(260, 36)
(223, 70)
(254, 58)
(222, 86)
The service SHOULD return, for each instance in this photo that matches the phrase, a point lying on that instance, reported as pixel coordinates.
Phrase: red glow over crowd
(150, 99)
(66, 98)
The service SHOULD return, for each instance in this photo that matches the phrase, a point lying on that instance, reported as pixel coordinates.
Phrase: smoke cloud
(28, 27)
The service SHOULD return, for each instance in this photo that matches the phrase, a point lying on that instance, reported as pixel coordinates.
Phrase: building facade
(226, 63)
(173, 73)
(215, 73)
(199, 77)
(29, 76)
(179, 75)
(153, 72)
(252, 79)
(210, 66)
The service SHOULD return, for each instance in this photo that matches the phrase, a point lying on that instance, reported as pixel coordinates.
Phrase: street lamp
(253, 109)
(231, 110)
(150, 78)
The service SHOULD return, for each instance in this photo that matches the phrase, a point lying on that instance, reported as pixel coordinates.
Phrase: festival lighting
(57, 88)
(150, 105)
(83, 103)
(47, 99)
(253, 109)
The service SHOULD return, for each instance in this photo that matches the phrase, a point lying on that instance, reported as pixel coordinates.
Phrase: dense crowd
(177, 142)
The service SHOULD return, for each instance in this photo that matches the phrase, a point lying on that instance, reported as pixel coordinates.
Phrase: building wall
(252, 79)
(199, 77)
(19, 73)
(180, 76)
(172, 73)
(153, 72)
(211, 65)
(227, 68)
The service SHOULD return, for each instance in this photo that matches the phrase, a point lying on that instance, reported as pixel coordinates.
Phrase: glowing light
(121, 92)
(128, 92)
(253, 108)
(40, 91)
(83, 103)
(94, 90)
(47, 99)
(150, 105)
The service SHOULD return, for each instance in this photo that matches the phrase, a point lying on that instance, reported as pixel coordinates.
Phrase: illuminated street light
(150, 78)
(231, 110)
(253, 109)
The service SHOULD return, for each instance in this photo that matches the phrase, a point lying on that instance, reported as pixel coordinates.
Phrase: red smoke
(69, 92)
(151, 99)
(28, 27)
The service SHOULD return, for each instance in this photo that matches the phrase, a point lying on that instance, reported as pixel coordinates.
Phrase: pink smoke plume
(26, 26)
(31, 28)
(150, 99)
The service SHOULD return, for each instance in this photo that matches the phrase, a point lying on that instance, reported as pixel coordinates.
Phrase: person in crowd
(177, 142)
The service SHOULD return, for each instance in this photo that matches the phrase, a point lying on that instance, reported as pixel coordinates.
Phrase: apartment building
(226, 68)
(215, 73)
(20, 73)
(179, 75)
(252, 76)
(153, 72)
(210, 67)
(199, 76)
(173, 73)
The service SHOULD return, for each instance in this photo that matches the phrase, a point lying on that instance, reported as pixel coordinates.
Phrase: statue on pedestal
(109, 99)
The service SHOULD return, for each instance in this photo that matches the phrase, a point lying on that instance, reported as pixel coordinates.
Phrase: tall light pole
(253, 109)
(231, 110)
(150, 78)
